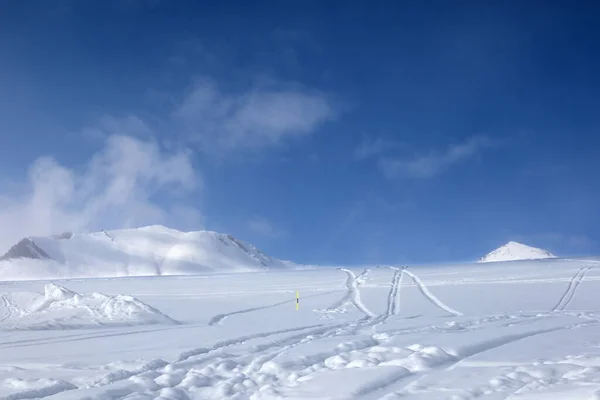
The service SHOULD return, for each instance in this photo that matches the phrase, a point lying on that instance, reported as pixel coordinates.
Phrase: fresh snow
(512, 251)
(152, 250)
(525, 330)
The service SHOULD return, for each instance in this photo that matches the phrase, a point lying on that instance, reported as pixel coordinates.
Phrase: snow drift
(152, 250)
(513, 251)
(61, 308)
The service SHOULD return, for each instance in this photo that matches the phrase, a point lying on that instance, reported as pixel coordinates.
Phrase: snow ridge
(513, 251)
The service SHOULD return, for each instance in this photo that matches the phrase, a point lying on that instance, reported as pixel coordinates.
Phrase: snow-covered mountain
(512, 251)
(152, 250)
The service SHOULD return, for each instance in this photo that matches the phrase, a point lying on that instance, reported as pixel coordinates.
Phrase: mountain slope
(152, 250)
(513, 251)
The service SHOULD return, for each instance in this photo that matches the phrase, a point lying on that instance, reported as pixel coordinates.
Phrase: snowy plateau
(512, 251)
(518, 330)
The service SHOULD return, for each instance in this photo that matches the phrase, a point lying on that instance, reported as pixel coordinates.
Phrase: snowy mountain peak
(149, 250)
(513, 251)
(26, 248)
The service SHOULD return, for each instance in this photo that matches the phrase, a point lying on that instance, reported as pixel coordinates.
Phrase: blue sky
(323, 132)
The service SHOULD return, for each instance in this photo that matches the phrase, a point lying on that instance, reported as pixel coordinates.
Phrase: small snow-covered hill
(60, 308)
(152, 250)
(512, 251)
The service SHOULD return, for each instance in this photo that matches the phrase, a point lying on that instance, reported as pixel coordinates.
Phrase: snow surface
(512, 251)
(523, 330)
(152, 250)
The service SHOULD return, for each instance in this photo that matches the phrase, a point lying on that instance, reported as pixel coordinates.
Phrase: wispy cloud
(373, 147)
(435, 162)
(108, 125)
(261, 117)
(572, 242)
(264, 227)
(116, 188)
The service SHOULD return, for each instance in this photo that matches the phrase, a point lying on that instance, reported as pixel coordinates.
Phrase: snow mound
(57, 293)
(61, 308)
(146, 251)
(513, 251)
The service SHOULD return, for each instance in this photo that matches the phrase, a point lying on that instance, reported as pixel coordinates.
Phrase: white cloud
(134, 180)
(262, 117)
(435, 162)
(263, 227)
(117, 188)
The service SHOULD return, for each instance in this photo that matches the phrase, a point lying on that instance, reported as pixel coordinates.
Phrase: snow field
(457, 332)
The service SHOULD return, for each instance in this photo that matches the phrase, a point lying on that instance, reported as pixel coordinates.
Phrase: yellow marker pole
(297, 299)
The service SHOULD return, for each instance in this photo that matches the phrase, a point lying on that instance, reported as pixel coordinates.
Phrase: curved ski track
(218, 319)
(569, 294)
(430, 296)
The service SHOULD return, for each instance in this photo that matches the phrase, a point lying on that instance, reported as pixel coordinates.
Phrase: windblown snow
(512, 251)
(152, 250)
(526, 330)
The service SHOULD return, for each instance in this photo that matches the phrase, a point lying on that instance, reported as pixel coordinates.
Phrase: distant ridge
(150, 250)
(513, 251)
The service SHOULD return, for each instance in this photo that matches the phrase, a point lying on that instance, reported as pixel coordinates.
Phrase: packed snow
(521, 330)
(513, 251)
(147, 251)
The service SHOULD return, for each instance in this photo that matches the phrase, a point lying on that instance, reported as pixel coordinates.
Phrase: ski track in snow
(446, 364)
(362, 277)
(393, 299)
(88, 336)
(218, 319)
(354, 293)
(569, 294)
(430, 296)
